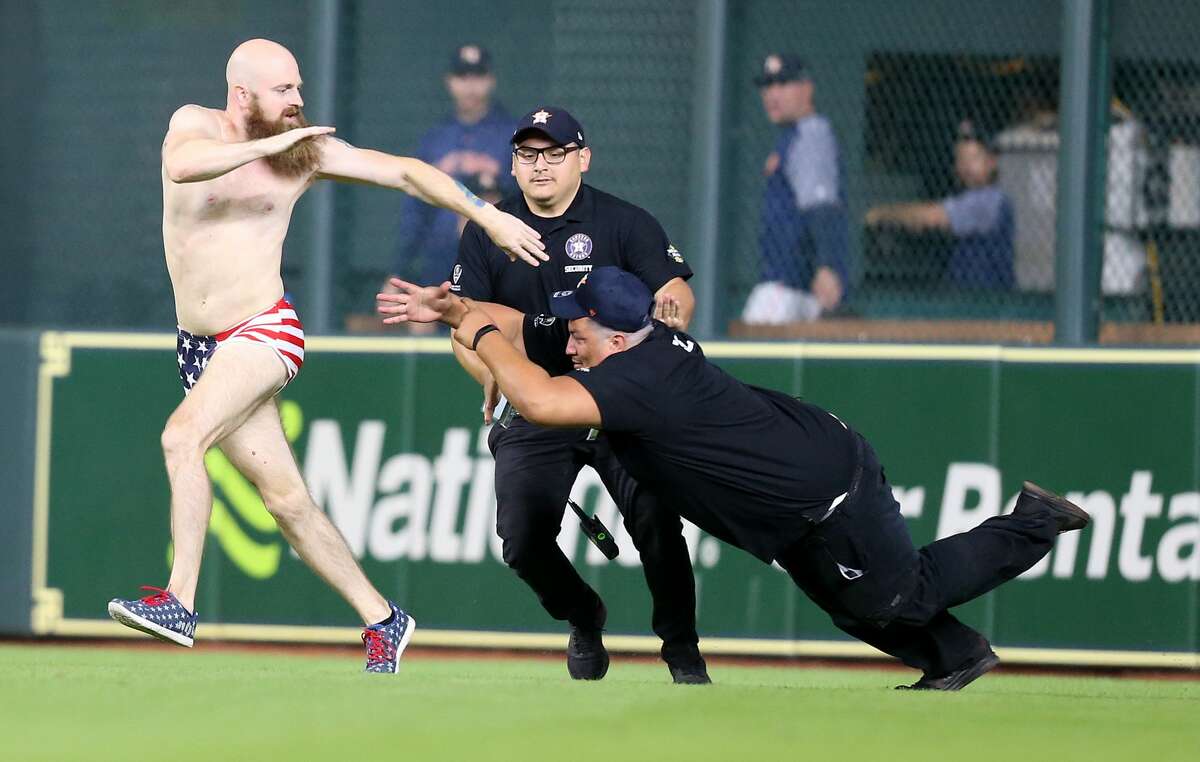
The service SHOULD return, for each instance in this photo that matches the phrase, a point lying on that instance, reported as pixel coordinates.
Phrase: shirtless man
(230, 180)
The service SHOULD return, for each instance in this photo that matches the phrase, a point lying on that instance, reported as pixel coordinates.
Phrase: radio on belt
(596, 532)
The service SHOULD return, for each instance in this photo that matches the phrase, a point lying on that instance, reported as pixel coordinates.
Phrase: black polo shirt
(753, 467)
(596, 229)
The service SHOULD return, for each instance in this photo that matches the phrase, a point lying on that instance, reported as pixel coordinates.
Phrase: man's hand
(517, 239)
(666, 310)
(285, 140)
(827, 288)
(419, 304)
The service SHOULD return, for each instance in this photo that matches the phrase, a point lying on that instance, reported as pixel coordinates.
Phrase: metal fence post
(1083, 127)
(324, 32)
(704, 195)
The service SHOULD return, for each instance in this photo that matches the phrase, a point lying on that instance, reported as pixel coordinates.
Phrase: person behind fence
(803, 230)
(230, 179)
(776, 476)
(980, 217)
(470, 143)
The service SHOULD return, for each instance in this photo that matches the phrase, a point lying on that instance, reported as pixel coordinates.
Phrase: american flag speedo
(278, 327)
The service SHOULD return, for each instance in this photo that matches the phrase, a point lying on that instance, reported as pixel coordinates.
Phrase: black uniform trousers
(535, 470)
(860, 566)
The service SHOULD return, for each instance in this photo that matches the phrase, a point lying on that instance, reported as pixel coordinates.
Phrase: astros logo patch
(579, 246)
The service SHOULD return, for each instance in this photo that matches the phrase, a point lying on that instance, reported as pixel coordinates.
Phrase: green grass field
(157, 703)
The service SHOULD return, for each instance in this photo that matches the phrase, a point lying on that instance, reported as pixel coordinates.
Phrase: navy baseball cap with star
(470, 59)
(778, 68)
(609, 295)
(553, 122)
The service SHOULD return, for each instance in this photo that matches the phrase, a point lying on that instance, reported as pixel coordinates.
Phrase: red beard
(299, 160)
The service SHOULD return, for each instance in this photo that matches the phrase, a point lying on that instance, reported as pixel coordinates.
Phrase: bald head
(264, 87)
(258, 64)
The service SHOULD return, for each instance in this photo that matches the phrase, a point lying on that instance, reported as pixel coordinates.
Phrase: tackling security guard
(535, 467)
(768, 473)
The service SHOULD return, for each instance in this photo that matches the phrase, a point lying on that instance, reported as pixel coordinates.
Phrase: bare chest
(248, 192)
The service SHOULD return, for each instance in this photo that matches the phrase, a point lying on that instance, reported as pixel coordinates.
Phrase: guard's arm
(342, 161)
(471, 363)
(511, 324)
(475, 367)
(542, 399)
(193, 151)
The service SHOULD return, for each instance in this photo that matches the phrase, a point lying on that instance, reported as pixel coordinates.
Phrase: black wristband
(481, 333)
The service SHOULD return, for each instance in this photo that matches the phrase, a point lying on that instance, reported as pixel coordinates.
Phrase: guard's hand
(518, 240)
(285, 140)
(491, 398)
(465, 332)
(419, 304)
(666, 310)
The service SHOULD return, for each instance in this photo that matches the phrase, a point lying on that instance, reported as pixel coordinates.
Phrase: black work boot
(587, 659)
(685, 663)
(959, 678)
(1033, 500)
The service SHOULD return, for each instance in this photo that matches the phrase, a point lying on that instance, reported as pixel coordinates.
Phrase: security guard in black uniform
(536, 467)
(763, 471)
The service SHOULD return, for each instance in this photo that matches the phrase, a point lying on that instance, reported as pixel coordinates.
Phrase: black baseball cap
(782, 67)
(609, 295)
(470, 59)
(553, 122)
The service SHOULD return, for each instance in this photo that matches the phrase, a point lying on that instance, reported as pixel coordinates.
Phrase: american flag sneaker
(159, 614)
(386, 642)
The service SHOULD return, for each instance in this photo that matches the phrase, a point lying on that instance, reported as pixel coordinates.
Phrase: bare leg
(237, 380)
(259, 449)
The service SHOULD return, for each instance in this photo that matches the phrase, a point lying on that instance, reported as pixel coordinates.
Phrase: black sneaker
(686, 665)
(959, 678)
(587, 659)
(1066, 514)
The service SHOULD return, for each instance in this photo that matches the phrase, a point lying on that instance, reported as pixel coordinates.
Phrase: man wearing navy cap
(582, 228)
(803, 237)
(776, 476)
(470, 143)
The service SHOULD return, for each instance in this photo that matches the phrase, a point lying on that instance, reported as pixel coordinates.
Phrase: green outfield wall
(388, 434)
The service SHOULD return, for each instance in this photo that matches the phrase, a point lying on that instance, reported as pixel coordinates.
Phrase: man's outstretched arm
(917, 215)
(342, 161)
(193, 151)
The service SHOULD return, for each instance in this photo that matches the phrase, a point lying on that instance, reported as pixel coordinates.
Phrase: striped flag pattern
(278, 327)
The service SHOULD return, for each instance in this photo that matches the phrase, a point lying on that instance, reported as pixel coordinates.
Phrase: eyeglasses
(552, 154)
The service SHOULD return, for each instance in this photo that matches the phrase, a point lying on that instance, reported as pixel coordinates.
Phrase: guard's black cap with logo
(553, 122)
(782, 67)
(609, 295)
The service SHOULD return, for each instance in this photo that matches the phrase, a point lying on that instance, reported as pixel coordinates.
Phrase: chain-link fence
(1154, 227)
(924, 100)
(921, 203)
